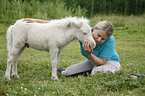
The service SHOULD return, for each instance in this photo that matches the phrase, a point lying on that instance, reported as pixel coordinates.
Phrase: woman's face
(99, 36)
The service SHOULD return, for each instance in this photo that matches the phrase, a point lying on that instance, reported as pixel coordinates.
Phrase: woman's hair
(105, 26)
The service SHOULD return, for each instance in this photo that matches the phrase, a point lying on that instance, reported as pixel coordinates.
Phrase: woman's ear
(94, 28)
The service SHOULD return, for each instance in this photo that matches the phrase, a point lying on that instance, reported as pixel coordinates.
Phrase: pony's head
(84, 32)
(79, 27)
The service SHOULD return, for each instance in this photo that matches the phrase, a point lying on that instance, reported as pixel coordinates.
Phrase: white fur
(52, 37)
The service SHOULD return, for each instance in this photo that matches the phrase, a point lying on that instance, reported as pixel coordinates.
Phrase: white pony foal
(52, 37)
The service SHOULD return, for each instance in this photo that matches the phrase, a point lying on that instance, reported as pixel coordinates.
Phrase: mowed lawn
(34, 67)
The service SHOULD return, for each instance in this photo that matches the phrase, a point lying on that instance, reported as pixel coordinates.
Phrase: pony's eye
(85, 33)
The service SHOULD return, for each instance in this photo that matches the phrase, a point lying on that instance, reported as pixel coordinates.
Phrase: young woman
(101, 58)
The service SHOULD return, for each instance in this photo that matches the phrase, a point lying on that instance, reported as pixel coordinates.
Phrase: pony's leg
(58, 56)
(11, 58)
(14, 70)
(9, 61)
(54, 60)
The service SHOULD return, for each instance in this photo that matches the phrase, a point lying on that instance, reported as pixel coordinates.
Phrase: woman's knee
(110, 66)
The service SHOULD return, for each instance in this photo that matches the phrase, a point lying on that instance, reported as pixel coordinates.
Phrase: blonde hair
(105, 26)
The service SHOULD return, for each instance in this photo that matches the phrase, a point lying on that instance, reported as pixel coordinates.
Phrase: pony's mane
(68, 21)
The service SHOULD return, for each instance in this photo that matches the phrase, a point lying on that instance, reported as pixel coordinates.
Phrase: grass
(34, 67)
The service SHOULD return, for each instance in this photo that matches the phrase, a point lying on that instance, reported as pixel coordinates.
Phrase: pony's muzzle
(92, 45)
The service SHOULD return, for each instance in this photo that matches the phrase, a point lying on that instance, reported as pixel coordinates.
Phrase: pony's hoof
(54, 78)
(7, 77)
(16, 76)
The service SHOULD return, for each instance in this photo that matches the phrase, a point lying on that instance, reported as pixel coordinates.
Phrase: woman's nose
(99, 39)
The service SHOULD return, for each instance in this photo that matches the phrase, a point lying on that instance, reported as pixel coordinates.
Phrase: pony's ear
(69, 24)
(84, 20)
(87, 21)
(81, 22)
(76, 24)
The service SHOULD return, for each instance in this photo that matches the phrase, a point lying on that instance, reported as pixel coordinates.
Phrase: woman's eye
(99, 35)
(103, 39)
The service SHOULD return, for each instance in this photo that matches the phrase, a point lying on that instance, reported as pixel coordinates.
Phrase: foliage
(123, 7)
(12, 10)
(93, 7)
(34, 67)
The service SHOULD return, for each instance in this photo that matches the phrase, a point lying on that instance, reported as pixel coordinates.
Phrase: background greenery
(12, 10)
(34, 67)
(125, 7)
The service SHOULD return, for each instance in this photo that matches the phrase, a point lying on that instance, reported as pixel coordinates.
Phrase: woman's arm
(93, 58)
(97, 60)
(31, 20)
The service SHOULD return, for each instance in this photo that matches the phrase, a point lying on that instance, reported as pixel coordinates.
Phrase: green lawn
(34, 67)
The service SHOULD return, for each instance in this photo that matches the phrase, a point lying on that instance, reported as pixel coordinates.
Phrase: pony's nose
(93, 45)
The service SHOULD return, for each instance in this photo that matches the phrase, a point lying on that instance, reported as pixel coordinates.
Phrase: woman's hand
(96, 60)
(86, 47)
(30, 20)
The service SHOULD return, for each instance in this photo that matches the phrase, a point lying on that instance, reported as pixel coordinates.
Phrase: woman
(101, 58)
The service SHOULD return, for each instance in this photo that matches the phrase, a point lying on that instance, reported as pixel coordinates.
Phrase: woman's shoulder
(111, 39)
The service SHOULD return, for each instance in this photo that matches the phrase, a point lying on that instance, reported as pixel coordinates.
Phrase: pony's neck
(70, 36)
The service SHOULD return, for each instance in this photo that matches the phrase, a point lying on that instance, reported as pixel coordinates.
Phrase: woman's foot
(60, 69)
